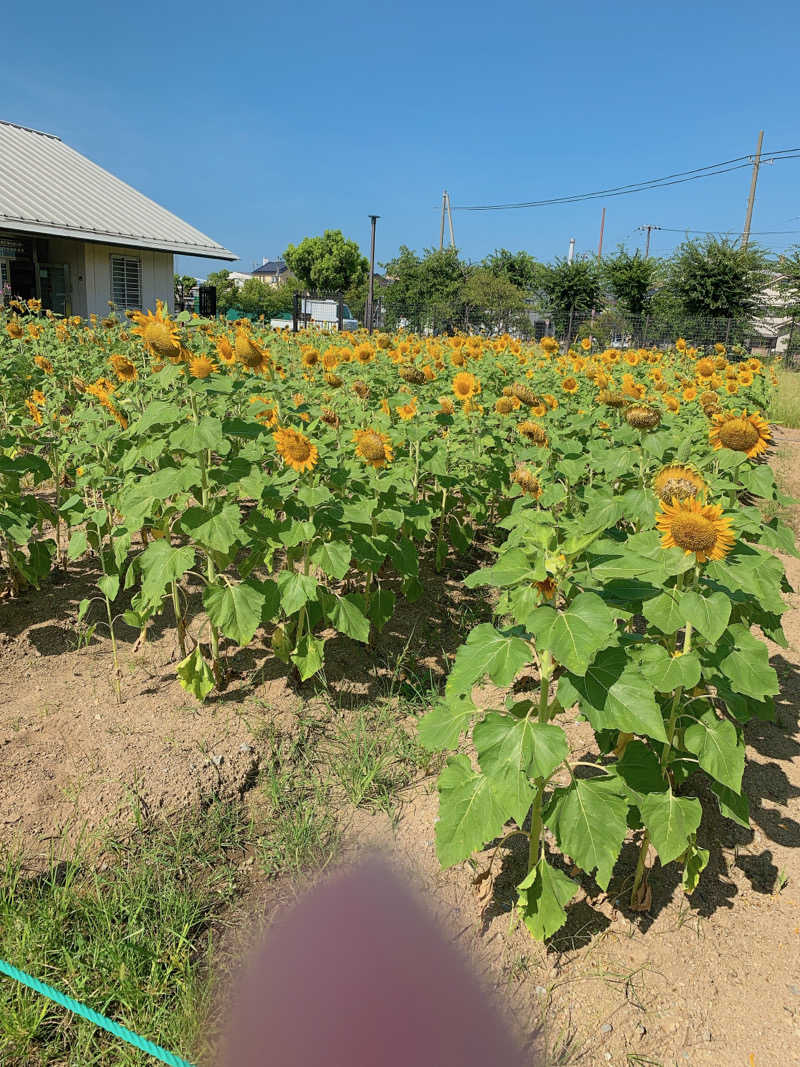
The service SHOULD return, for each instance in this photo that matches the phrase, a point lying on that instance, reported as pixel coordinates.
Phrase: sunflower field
(305, 483)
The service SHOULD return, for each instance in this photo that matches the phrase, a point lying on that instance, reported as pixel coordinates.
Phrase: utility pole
(446, 211)
(751, 199)
(602, 230)
(371, 293)
(571, 253)
(647, 230)
(450, 220)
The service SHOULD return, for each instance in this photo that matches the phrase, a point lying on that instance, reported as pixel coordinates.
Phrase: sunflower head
(504, 405)
(225, 350)
(330, 417)
(158, 331)
(446, 406)
(124, 369)
(249, 353)
(741, 433)
(14, 329)
(527, 481)
(373, 447)
(201, 366)
(466, 385)
(678, 482)
(333, 380)
(412, 375)
(361, 389)
(532, 432)
(643, 416)
(570, 385)
(524, 394)
(409, 410)
(364, 353)
(704, 367)
(611, 398)
(296, 449)
(695, 527)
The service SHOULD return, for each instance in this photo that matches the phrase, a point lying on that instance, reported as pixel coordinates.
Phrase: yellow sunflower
(741, 433)
(466, 385)
(43, 363)
(409, 410)
(158, 331)
(225, 350)
(296, 449)
(364, 353)
(202, 366)
(124, 369)
(14, 330)
(570, 385)
(446, 406)
(249, 353)
(374, 447)
(678, 482)
(695, 527)
(33, 411)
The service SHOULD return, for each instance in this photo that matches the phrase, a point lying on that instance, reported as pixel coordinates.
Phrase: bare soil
(706, 980)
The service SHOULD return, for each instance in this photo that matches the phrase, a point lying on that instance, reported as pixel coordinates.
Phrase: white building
(76, 237)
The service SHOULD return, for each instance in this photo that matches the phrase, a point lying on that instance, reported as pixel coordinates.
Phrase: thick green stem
(546, 666)
(440, 534)
(176, 605)
(537, 827)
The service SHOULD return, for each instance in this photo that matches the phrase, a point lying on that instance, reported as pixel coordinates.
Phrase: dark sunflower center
(738, 434)
(694, 533)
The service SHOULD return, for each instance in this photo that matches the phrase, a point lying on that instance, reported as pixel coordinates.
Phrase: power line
(678, 178)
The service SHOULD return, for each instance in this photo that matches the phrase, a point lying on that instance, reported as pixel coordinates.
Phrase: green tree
(493, 302)
(631, 279)
(520, 268)
(183, 285)
(426, 292)
(569, 291)
(716, 278)
(328, 263)
(227, 290)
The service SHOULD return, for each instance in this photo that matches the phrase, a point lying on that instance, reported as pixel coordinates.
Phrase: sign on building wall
(12, 248)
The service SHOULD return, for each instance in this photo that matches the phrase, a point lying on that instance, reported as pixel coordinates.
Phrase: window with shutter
(126, 282)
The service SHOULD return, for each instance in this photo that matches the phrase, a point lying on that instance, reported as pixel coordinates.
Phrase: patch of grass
(300, 830)
(785, 407)
(131, 940)
(375, 755)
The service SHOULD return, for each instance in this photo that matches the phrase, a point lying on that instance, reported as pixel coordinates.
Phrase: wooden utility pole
(602, 230)
(648, 230)
(371, 293)
(752, 198)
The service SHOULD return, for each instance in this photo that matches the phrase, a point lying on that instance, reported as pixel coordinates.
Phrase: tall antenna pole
(571, 253)
(602, 230)
(441, 228)
(371, 294)
(450, 220)
(752, 198)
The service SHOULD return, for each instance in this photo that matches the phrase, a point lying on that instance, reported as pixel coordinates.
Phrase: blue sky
(261, 124)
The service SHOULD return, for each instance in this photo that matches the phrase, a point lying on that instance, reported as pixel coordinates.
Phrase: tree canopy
(716, 278)
(330, 263)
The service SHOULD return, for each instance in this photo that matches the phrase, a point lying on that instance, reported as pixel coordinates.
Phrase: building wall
(157, 276)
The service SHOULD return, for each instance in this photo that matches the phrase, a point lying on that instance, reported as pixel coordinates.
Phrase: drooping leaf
(664, 612)
(345, 615)
(718, 747)
(308, 657)
(194, 437)
(614, 695)
(589, 820)
(671, 821)
(195, 675)
(732, 805)
(695, 860)
(296, 590)
(666, 672)
(444, 724)
(708, 614)
(574, 636)
(235, 609)
(543, 895)
(333, 558)
(469, 812)
(744, 661)
(217, 529)
(512, 567)
(161, 564)
(487, 651)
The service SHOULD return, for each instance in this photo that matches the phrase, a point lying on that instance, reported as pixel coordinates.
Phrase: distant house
(76, 237)
(272, 271)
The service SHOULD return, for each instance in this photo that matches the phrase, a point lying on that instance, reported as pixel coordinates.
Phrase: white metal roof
(48, 187)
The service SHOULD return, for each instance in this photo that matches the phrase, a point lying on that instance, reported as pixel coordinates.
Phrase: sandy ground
(707, 980)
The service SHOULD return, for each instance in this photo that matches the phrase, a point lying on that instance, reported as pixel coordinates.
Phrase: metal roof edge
(29, 129)
(122, 240)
